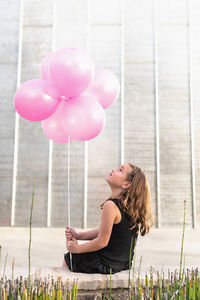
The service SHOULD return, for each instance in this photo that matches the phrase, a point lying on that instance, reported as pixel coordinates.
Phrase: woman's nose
(113, 170)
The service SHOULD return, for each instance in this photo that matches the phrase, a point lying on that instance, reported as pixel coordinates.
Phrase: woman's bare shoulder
(109, 203)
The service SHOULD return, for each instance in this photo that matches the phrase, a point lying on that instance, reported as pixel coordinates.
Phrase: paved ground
(161, 248)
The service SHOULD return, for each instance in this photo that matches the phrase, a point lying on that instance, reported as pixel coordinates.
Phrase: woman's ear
(126, 185)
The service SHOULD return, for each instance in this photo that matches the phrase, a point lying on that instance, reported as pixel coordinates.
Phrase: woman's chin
(108, 180)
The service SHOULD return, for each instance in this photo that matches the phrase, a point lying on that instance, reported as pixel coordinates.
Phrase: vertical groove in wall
(122, 81)
(86, 142)
(157, 118)
(49, 184)
(50, 141)
(17, 115)
(191, 122)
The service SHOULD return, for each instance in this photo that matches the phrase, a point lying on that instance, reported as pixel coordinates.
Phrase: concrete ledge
(87, 281)
(161, 249)
(96, 281)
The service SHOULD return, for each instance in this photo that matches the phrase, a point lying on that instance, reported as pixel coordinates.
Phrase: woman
(126, 212)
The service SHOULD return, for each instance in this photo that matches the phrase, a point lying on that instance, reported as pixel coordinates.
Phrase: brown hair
(136, 201)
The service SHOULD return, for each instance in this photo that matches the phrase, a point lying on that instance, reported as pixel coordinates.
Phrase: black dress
(114, 256)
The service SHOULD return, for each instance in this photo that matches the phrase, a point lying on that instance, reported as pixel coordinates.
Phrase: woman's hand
(70, 232)
(72, 245)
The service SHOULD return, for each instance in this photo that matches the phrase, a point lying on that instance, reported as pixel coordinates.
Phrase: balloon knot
(64, 98)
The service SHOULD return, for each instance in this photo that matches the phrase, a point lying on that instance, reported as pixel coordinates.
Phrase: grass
(56, 289)
(179, 285)
(29, 247)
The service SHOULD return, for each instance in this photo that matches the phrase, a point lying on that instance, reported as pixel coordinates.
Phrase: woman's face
(118, 177)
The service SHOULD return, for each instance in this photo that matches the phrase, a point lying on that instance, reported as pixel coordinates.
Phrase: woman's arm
(88, 235)
(107, 219)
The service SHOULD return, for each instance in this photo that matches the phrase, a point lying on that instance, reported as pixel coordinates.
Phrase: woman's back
(116, 254)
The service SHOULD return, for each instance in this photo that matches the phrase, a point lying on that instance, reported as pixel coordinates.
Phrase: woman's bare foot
(65, 266)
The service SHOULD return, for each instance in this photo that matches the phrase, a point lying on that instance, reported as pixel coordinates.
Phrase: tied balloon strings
(68, 195)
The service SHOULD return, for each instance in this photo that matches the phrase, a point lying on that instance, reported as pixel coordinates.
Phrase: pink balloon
(36, 100)
(83, 118)
(45, 65)
(53, 128)
(104, 86)
(71, 70)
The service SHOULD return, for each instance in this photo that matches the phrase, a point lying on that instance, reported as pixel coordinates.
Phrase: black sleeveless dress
(115, 255)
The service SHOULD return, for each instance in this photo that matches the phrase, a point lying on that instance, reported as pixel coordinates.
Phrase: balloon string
(68, 194)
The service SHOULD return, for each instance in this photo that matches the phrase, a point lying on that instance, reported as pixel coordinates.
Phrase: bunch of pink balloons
(70, 97)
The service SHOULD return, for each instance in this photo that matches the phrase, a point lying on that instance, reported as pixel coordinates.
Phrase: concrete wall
(153, 47)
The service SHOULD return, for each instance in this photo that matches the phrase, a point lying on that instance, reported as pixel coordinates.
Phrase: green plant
(29, 248)
(4, 269)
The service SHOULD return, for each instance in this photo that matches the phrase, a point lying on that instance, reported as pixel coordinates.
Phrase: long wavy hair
(136, 201)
